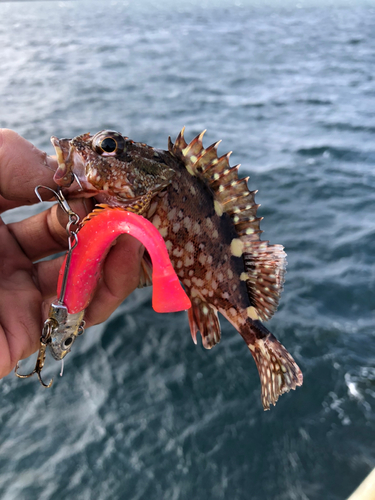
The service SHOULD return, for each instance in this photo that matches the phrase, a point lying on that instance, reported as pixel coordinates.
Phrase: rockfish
(207, 217)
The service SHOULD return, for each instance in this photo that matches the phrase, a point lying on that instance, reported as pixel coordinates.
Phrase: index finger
(22, 167)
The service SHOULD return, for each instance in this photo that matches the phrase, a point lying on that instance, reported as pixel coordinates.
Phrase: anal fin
(203, 317)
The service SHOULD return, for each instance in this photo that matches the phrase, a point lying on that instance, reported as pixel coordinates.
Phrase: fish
(208, 218)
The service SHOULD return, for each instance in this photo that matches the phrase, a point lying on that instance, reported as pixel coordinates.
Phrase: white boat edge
(366, 490)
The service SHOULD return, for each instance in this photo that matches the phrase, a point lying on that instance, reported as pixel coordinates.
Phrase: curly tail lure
(81, 271)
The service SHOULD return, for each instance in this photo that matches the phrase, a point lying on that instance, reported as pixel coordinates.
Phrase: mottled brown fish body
(207, 217)
(198, 241)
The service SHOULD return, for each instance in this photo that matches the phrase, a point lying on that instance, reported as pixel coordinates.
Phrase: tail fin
(277, 369)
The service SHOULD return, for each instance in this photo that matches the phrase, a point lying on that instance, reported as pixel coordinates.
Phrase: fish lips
(64, 176)
(71, 168)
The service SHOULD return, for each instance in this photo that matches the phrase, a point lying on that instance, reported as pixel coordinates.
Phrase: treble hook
(46, 333)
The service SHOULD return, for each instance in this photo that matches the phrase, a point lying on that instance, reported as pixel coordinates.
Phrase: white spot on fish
(176, 227)
(156, 221)
(188, 168)
(172, 214)
(189, 247)
(241, 320)
(236, 247)
(202, 258)
(188, 261)
(218, 208)
(177, 252)
(187, 223)
(169, 245)
(209, 223)
(163, 231)
(215, 234)
(193, 190)
(230, 274)
(196, 228)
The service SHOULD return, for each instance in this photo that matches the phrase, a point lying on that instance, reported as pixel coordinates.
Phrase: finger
(20, 301)
(46, 274)
(22, 167)
(7, 204)
(120, 277)
(44, 234)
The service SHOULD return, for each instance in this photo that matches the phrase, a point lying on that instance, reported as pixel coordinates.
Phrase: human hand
(27, 287)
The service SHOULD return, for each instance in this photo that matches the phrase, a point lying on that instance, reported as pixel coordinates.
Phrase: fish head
(65, 327)
(111, 167)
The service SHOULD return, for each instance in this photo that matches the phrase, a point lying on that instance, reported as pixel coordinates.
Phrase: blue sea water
(141, 412)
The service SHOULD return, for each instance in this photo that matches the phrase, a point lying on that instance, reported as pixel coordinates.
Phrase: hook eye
(60, 198)
(36, 190)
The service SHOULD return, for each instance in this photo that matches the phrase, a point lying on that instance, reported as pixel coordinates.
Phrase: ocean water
(141, 412)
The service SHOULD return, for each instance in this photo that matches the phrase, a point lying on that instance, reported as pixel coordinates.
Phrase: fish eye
(108, 143)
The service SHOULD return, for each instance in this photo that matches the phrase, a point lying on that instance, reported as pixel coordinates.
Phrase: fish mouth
(70, 173)
(64, 174)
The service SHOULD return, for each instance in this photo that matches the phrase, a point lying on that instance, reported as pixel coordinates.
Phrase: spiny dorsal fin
(264, 264)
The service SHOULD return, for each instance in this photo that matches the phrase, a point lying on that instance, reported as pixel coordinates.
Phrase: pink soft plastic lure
(95, 238)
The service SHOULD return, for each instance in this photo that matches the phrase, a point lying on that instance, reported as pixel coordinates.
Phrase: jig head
(60, 328)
